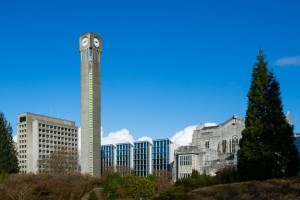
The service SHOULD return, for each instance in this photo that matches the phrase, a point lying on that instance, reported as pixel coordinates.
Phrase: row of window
(22, 141)
(57, 137)
(57, 127)
(22, 151)
(22, 146)
(22, 131)
(56, 133)
(184, 175)
(23, 136)
(185, 160)
(22, 125)
(73, 143)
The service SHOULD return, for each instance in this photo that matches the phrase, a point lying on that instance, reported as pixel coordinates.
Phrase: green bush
(112, 183)
(196, 180)
(227, 175)
(139, 187)
(93, 196)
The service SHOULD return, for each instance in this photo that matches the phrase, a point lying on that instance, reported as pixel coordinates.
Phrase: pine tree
(280, 134)
(267, 148)
(8, 154)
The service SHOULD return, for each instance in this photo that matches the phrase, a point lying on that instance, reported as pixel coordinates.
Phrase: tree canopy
(267, 148)
(8, 154)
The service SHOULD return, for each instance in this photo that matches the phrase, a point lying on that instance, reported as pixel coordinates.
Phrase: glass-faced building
(142, 158)
(108, 159)
(161, 156)
(124, 158)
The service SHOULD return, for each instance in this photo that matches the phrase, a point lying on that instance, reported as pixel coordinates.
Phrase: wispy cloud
(288, 61)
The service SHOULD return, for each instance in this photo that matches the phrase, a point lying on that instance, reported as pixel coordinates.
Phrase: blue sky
(165, 66)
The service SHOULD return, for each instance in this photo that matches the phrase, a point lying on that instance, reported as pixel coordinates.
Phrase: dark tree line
(8, 153)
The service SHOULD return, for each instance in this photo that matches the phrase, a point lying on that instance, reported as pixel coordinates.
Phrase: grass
(283, 189)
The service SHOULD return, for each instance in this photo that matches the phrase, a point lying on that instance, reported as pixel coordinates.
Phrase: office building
(142, 160)
(108, 158)
(90, 46)
(38, 136)
(124, 157)
(162, 156)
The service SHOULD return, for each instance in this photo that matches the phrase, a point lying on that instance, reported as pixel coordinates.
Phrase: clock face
(84, 41)
(96, 42)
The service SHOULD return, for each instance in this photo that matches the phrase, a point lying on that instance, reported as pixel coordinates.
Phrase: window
(207, 144)
(235, 143)
(23, 119)
(91, 54)
(224, 145)
(185, 160)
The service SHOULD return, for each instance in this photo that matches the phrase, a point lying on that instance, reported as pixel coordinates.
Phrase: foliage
(93, 196)
(267, 148)
(162, 180)
(228, 174)
(45, 186)
(3, 176)
(8, 153)
(196, 180)
(133, 187)
(111, 184)
(139, 187)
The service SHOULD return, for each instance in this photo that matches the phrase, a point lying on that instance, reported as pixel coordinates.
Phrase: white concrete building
(38, 136)
(213, 147)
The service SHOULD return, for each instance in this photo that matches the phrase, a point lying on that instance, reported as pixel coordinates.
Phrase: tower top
(90, 40)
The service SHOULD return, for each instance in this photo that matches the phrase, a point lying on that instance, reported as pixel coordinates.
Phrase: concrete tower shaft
(90, 46)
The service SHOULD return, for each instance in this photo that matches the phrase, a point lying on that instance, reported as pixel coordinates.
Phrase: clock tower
(90, 46)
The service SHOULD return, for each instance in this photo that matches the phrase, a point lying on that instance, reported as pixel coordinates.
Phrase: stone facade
(213, 147)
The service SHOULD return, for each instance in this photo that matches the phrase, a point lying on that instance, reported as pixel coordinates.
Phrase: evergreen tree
(267, 148)
(8, 154)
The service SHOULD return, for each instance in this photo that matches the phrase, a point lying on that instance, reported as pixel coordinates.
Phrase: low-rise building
(213, 147)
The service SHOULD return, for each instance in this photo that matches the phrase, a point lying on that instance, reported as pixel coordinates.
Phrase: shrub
(93, 196)
(228, 174)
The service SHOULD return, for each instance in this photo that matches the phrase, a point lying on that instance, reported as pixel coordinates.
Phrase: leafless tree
(62, 161)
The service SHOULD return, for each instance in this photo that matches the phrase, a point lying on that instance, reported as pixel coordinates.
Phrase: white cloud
(15, 138)
(120, 136)
(146, 138)
(288, 61)
(184, 137)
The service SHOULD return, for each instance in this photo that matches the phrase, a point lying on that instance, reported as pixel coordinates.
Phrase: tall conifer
(8, 154)
(267, 148)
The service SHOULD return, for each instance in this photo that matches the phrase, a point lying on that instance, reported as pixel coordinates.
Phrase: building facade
(213, 147)
(108, 158)
(124, 157)
(142, 158)
(90, 46)
(162, 156)
(38, 136)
